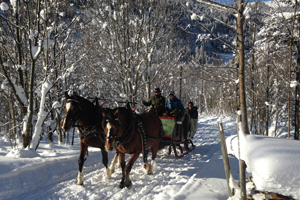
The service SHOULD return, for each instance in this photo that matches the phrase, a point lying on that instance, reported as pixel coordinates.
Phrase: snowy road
(52, 173)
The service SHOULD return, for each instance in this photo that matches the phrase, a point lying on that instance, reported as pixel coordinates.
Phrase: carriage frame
(177, 135)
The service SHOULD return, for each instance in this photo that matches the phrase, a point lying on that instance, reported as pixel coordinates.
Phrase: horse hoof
(150, 173)
(112, 171)
(80, 184)
(122, 185)
(129, 185)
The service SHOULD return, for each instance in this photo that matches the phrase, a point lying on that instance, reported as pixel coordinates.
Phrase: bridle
(74, 118)
(125, 137)
(113, 136)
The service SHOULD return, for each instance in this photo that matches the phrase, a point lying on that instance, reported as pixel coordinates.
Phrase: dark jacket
(193, 112)
(158, 102)
(174, 104)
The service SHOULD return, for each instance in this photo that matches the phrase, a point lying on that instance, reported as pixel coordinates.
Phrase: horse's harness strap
(90, 132)
(135, 127)
(127, 137)
(143, 139)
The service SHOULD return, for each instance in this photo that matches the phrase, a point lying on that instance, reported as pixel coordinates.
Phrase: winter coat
(193, 112)
(174, 104)
(158, 102)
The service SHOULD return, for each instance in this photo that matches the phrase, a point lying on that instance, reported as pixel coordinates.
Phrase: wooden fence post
(225, 157)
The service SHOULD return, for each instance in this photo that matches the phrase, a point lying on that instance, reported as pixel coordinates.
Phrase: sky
(51, 171)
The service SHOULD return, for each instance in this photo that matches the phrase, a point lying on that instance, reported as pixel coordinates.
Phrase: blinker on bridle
(112, 136)
(73, 119)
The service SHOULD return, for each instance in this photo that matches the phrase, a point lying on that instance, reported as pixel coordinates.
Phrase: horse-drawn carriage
(178, 131)
(124, 131)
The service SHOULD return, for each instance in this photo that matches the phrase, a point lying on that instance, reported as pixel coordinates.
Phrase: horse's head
(71, 110)
(115, 123)
(110, 125)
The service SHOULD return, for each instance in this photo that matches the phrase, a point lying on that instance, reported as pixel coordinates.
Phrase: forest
(223, 56)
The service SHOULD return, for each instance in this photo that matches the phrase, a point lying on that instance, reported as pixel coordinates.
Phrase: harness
(135, 127)
(90, 132)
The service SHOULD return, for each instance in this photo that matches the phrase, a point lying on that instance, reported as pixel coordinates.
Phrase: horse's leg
(113, 163)
(105, 162)
(129, 165)
(83, 150)
(122, 160)
(146, 164)
(155, 148)
(119, 162)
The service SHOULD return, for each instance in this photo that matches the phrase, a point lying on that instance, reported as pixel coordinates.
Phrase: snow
(273, 162)
(14, 4)
(4, 6)
(294, 84)
(36, 50)
(193, 16)
(56, 105)
(51, 171)
(46, 86)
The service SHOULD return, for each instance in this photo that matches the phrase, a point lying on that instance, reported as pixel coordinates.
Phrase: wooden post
(242, 166)
(225, 157)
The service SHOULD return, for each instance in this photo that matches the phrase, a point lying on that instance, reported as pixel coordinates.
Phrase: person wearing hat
(157, 101)
(174, 105)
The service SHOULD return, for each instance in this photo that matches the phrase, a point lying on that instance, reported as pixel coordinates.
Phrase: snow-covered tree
(34, 39)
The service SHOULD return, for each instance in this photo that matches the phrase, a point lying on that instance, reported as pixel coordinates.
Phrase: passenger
(193, 122)
(193, 110)
(174, 105)
(157, 101)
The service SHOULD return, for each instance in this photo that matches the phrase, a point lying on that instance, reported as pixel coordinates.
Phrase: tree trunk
(290, 71)
(13, 118)
(27, 136)
(242, 91)
(296, 137)
(202, 81)
(240, 42)
(267, 106)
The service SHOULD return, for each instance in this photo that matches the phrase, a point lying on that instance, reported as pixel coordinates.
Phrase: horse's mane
(89, 111)
(84, 102)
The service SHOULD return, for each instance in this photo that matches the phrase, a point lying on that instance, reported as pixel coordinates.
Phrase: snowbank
(273, 162)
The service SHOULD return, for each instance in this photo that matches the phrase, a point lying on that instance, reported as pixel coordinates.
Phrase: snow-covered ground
(51, 171)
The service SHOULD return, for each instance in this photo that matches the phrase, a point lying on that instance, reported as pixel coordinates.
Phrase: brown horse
(130, 133)
(87, 117)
